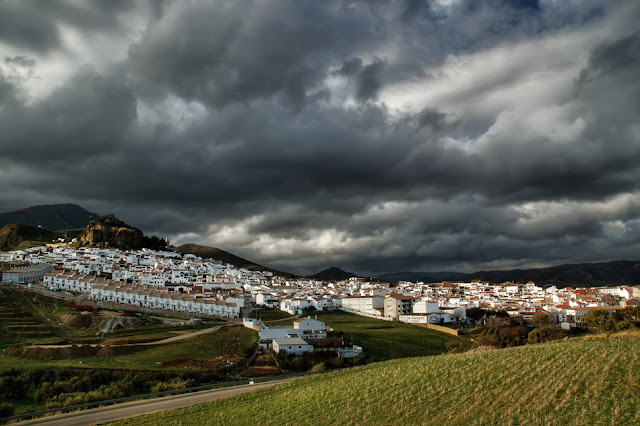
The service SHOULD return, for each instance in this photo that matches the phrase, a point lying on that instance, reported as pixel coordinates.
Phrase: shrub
(321, 366)
(455, 346)
(6, 409)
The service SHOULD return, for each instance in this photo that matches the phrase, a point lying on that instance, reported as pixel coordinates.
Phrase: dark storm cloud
(619, 57)
(368, 81)
(35, 25)
(21, 26)
(85, 117)
(270, 131)
(252, 51)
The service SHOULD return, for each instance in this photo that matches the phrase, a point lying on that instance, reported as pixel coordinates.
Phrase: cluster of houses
(297, 339)
(222, 303)
(172, 281)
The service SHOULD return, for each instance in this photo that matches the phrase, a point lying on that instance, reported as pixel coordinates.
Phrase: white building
(291, 345)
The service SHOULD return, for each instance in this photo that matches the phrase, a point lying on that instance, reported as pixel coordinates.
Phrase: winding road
(154, 343)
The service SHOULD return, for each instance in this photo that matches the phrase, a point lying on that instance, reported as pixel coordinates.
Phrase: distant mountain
(50, 216)
(332, 274)
(427, 277)
(580, 274)
(207, 252)
(570, 275)
(111, 232)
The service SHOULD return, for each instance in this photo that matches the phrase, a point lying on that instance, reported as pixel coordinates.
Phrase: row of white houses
(145, 296)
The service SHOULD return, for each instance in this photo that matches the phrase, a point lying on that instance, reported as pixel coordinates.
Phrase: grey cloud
(25, 28)
(619, 57)
(277, 49)
(350, 67)
(368, 81)
(85, 117)
(221, 118)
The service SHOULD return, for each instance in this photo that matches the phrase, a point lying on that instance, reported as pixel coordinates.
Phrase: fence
(443, 329)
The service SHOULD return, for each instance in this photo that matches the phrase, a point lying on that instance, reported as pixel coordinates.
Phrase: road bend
(136, 408)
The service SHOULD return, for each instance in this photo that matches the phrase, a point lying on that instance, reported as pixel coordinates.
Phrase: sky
(376, 136)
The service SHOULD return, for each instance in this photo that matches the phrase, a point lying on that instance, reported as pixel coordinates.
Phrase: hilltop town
(168, 281)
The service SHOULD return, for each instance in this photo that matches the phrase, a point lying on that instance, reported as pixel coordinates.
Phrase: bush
(321, 366)
(545, 334)
(503, 333)
(455, 346)
(15, 387)
(6, 409)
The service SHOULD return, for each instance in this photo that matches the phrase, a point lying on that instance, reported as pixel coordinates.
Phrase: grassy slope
(585, 381)
(15, 237)
(20, 237)
(387, 340)
(379, 339)
(24, 318)
(228, 342)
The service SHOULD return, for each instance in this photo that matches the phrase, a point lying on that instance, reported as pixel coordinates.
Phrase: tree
(15, 387)
(602, 321)
(6, 409)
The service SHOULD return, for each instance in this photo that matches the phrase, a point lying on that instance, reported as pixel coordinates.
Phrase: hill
(575, 275)
(50, 216)
(18, 237)
(207, 252)
(332, 274)
(112, 232)
(582, 381)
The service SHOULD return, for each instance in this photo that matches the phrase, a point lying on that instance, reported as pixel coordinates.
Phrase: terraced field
(18, 323)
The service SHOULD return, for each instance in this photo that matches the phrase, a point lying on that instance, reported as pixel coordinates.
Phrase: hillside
(575, 275)
(16, 237)
(207, 252)
(332, 274)
(114, 233)
(50, 216)
(582, 381)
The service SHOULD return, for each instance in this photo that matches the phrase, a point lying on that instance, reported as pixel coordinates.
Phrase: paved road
(131, 409)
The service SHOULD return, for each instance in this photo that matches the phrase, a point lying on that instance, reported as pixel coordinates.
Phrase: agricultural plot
(18, 323)
(576, 382)
(388, 340)
(276, 315)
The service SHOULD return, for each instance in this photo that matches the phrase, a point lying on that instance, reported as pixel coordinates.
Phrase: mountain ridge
(333, 274)
(225, 256)
(594, 274)
(53, 217)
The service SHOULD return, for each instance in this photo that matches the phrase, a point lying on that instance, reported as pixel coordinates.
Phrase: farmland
(52, 356)
(383, 340)
(587, 380)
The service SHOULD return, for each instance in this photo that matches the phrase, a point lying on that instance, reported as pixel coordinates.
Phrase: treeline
(54, 388)
(318, 360)
(604, 321)
(500, 330)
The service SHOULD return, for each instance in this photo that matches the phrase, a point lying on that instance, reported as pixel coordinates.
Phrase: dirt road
(154, 343)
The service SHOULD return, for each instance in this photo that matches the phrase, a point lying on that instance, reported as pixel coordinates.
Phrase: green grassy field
(206, 351)
(388, 340)
(576, 382)
(267, 315)
(18, 323)
(381, 340)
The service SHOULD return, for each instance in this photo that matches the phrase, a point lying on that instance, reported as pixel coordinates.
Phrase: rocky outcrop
(114, 233)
